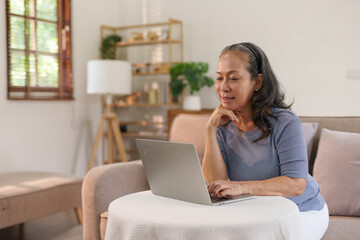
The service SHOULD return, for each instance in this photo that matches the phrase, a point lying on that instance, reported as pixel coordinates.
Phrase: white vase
(192, 102)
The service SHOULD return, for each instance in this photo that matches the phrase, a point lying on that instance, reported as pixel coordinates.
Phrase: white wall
(310, 44)
(56, 135)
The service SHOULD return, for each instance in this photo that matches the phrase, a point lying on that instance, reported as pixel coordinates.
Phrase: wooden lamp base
(113, 130)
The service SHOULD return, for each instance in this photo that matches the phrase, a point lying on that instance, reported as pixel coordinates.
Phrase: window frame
(64, 90)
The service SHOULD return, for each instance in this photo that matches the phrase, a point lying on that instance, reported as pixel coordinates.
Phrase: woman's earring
(256, 90)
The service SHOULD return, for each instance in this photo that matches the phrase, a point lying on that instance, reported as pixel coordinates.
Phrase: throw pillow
(309, 130)
(337, 170)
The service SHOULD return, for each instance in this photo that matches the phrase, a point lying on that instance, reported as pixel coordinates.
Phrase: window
(39, 49)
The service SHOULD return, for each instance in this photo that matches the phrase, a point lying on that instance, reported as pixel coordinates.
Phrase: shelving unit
(148, 42)
(151, 48)
(140, 104)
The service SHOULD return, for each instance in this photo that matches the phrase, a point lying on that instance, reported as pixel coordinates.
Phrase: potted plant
(191, 75)
(108, 46)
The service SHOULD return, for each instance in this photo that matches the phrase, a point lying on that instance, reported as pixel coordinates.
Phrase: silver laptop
(173, 170)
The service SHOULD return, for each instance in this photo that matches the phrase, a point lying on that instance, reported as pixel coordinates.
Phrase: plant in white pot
(191, 75)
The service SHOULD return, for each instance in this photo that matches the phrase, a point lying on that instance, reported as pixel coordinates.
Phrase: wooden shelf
(142, 123)
(151, 69)
(150, 74)
(141, 104)
(144, 134)
(146, 42)
(171, 21)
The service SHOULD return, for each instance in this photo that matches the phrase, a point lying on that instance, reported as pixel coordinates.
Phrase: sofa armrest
(105, 183)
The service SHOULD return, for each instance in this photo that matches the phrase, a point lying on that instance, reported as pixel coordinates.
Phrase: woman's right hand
(220, 116)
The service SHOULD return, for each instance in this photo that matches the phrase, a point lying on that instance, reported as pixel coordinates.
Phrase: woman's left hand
(222, 188)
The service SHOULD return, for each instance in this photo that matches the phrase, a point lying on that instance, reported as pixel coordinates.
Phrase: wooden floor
(59, 226)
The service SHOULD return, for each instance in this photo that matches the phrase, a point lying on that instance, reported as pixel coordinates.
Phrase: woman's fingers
(211, 187)
(225, 192)
(216, 187)
(226, 112)
(222, 115)
(224, 120)
(221, 188)
(217, 190)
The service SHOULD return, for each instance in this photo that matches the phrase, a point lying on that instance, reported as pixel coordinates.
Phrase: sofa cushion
(341, 227)
(309, 130)
(190, 128)
(337, 170)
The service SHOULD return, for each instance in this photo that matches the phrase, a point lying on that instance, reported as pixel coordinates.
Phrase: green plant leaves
(191, 74)
(108, 46)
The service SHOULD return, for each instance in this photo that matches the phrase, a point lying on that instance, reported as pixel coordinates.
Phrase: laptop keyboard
(219, 199)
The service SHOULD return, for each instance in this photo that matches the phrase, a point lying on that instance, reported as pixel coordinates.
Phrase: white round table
(143, 215)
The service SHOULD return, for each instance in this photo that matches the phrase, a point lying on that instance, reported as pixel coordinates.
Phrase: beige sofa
(103, 184)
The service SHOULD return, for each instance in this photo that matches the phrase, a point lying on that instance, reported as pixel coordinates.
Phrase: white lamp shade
(108, 77)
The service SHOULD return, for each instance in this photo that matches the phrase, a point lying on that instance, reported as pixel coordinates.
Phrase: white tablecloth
(146, 216)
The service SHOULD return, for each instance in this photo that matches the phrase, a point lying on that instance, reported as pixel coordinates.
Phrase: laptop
(173, 170)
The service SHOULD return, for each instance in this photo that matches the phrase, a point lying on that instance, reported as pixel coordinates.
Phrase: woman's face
(234, 84)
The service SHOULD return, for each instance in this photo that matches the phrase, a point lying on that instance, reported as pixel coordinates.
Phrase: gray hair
(254, 66)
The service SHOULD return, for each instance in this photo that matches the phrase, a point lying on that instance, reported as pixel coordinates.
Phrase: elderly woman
(254, 143)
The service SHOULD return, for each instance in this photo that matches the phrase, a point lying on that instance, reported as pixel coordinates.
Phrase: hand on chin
(231, 108)
(228, 106)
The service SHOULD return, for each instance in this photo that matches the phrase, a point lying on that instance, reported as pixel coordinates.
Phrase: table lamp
(107, 78)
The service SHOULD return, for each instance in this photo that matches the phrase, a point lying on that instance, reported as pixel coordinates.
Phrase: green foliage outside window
(40, 66)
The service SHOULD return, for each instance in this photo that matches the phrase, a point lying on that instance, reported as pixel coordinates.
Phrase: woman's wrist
(211, 129)
(244, 188)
